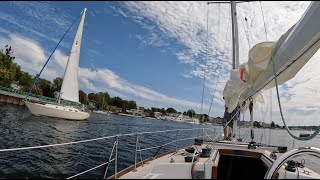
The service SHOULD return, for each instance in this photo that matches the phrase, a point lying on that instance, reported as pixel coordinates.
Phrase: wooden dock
(11, 96)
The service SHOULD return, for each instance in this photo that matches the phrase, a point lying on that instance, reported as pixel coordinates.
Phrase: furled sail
(70, 88)
(290, 53)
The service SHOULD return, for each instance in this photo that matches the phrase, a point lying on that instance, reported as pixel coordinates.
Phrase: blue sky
(110, 40)
(150, 52)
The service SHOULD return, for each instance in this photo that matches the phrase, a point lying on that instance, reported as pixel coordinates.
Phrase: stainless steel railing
(139, 150)
(113, 157)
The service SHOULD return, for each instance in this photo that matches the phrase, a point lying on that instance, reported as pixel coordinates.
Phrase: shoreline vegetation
(131, 115)
(11, 76)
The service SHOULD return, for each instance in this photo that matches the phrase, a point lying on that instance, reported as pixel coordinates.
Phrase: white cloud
(31, 57)
(185, 23)
(180, 28)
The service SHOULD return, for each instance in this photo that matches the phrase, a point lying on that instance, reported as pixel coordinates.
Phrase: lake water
(18, 128)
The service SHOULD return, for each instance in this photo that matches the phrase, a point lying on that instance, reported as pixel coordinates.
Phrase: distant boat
(69, 90)
(181, 118)
(101, 112)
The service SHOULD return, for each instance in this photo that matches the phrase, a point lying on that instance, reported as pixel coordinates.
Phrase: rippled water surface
(18, 128)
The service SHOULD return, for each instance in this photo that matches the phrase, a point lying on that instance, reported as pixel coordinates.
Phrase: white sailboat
(69, 89)
(213, 158)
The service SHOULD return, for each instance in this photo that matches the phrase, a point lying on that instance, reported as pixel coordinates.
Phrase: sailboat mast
(235, 52)
(235, 37)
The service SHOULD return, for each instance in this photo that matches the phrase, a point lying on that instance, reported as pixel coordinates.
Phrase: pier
(17, 97)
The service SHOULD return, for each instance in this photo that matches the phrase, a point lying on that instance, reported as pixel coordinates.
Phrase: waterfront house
(15, 85)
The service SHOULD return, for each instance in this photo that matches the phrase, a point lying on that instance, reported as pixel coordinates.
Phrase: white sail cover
(70, 88)
(290, 53)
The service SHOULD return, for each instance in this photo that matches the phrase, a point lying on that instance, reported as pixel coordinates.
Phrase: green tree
(256, 124)
(272, 125)
(82, 97)
(191, 113)
(132, 105)
(202, 117)
(56, 85)
(171, 110)
(163, 111)
(99, 98)
(116, 101)
(26, 81)
(124, 106)
(45, 87)
(92, 99)
(153, 109)
(18, 73)
(7, 67)
(106, 97)
(106, 101)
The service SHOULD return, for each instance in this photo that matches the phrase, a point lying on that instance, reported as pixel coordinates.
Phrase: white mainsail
(70, 88)
(290, 53)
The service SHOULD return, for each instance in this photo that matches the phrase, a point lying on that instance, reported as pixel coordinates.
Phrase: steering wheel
(289, 155)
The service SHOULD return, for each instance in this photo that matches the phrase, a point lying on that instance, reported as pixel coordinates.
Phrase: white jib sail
(70, 88)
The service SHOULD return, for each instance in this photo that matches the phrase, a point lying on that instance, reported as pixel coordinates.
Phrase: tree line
(10, 71)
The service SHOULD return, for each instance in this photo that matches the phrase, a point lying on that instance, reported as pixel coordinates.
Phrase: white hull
(58, 111)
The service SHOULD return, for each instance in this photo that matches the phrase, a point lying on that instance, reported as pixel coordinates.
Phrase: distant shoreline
(129, 115)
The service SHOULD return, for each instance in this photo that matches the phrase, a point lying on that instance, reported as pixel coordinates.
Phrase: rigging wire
(246, 33)
(254, 14)
(246, 19)
(224, 49)
(205, 66)
(214, 91)
(205, 62)
(270, 115)
(218, 26)
(215, 85)
(266, 34)
(264, 113)
(38, 75)
(265, 28)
